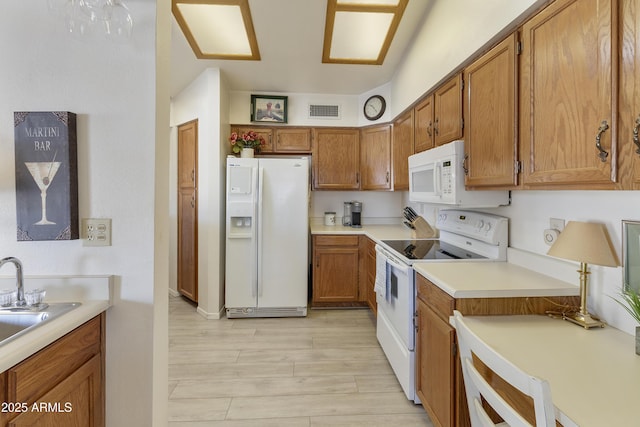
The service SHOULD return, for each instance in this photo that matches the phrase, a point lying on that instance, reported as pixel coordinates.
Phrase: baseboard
(211, 316)
(173, 293)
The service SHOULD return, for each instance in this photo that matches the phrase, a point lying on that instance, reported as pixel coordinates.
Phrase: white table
(594, 374)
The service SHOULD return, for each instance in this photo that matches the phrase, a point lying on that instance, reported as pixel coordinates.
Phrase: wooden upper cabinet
(490, 141)
(375, 158)
(293, 140)
(567, 93)
(629, 105)
(336, 159)
(267, 134)
(401, 149)
(447, 100)
(423, 125)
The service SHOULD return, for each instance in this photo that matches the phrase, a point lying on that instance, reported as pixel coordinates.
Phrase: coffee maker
(356, 214)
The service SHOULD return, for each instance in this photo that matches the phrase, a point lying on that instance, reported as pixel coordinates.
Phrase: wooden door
(187, 210)
(490, 141)
(567, 95)
(293, 140)
(629, 106)
(336, 159)
(402, 148)
(448, 111)
(423, 125)
(375, 158)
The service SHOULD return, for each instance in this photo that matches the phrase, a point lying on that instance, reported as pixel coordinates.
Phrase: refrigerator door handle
(253, 283)
(259, 231)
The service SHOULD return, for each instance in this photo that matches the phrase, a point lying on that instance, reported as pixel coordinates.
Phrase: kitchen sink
(17, 321)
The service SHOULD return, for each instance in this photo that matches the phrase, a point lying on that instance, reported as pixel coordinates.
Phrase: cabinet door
(267, 134)
(448, 111)
(423, 126)
(629, 106)
(294, 140)
(490, 142)
(375, 158)
(567, 94)
(336, 159)
(335, 274)
(76, 401)
(370, 256)
(435, 366)
(401, 149)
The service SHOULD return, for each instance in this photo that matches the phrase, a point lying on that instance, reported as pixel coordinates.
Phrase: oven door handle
(398, 265)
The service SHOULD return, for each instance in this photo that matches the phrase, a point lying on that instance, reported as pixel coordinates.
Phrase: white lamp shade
(586, 242)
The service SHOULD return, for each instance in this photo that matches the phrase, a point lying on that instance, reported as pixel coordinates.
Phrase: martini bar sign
(46, 175)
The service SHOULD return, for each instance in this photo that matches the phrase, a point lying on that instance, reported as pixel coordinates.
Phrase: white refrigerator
(267, 225)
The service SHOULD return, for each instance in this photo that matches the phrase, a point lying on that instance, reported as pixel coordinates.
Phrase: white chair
(476, 386)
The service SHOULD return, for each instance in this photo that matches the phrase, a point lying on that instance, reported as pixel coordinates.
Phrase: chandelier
(95, 18)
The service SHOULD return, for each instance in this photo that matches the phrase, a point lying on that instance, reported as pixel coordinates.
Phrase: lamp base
(585, 320)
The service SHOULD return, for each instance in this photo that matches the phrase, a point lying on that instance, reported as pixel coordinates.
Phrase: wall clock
(374, 107)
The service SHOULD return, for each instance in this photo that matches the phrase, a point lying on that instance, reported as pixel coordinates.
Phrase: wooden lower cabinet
(439, 381)
(435, 359)
(61, 385)
(336, 271)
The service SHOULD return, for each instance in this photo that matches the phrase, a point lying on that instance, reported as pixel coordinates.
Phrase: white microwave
(437, 176)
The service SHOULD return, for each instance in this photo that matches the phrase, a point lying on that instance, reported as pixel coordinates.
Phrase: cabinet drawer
(439, 301)
(54, 363)
(335, 240)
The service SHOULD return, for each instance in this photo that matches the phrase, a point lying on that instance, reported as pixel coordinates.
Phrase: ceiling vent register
(317, 111)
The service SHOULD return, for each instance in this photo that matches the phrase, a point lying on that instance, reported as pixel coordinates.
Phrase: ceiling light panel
(360, 31)
(359, 35)
(214, 28)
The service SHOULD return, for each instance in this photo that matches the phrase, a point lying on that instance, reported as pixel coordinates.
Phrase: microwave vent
(318, 111)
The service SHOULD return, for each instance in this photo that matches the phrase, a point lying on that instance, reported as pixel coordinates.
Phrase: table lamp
(587, 243)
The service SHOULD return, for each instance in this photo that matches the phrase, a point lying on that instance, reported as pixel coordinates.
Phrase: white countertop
(594, 374)
(94, 294)
(479, 279)
(376, 232)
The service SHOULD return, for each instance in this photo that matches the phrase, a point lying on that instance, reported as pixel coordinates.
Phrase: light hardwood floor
(326, 369)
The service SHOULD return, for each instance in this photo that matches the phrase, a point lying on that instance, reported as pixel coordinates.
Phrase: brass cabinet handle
(465, 168)
(387, 177)
(602, 153)
(636, 139)
(435, 128)
(429, 126)
(193, 201)
(193, 175)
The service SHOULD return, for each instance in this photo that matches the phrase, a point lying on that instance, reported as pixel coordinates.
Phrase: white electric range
(464, 236)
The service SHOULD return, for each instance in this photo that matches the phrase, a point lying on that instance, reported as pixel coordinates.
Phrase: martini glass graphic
(43, 173)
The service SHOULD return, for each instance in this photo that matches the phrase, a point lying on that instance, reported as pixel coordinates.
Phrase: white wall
(203, 100)
(529, 215)
(112, 88)
(452, 32)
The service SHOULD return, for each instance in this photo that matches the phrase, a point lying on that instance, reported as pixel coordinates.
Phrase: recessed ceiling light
(360, 31)
(213, 28)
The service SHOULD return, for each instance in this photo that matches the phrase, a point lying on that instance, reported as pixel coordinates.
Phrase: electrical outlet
(96, 232)
(556, 224)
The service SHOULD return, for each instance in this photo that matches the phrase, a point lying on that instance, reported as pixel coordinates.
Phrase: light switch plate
(96, 231)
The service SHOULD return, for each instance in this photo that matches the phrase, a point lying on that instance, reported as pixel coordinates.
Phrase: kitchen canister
(329, 218)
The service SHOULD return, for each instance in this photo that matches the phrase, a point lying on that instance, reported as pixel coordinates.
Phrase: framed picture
(268, 108)
(631, 254)
(46, 175)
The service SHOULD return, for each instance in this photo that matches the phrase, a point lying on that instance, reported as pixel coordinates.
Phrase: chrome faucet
(19, 279)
